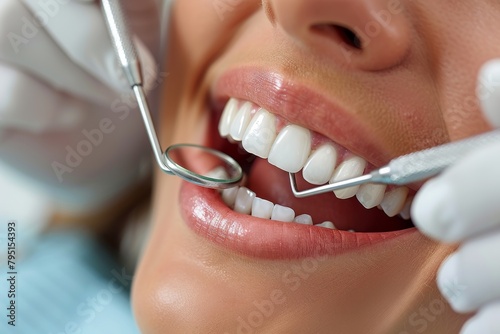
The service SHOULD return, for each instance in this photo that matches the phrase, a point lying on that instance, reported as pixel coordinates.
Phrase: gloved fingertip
(433, 212)
(485, 322)
(474, 326)
(488, 91)
(450, 286)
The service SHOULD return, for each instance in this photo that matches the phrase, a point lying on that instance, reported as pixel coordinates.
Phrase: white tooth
(291, 149)
(227, 117)
(320, 165)
(327, 224)
(244, 201)
(303, 219)
(371, 195)
(405, 213)
(260, 134)
(229, 196)
(241, 121)
(219, 173)
(352, 167)
(262, 208)
(283, 214)
(394, 201)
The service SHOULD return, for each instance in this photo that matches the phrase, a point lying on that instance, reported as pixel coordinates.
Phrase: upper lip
(300, 105)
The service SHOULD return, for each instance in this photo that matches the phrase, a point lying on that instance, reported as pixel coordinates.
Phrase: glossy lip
(206, 214)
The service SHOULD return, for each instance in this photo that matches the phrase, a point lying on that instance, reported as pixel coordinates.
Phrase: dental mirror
(203, 166)
(199, 165)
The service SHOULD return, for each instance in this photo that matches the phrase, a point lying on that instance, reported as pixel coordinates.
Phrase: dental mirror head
(203, 166)
(200, 165)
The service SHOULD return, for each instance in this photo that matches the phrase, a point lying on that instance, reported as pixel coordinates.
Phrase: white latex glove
(463, 205)
(67, 118)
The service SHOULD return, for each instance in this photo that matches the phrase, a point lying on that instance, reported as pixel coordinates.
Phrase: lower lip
(206, 214)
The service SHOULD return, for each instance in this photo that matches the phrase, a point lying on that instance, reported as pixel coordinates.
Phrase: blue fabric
(68, 285)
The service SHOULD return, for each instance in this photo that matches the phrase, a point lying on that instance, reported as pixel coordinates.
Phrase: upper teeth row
(291, 150)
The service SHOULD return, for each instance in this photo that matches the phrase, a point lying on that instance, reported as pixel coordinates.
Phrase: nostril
(349, 37)
(339, 33)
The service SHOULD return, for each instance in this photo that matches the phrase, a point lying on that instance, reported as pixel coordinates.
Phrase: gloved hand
(462, 205)
(67, 118)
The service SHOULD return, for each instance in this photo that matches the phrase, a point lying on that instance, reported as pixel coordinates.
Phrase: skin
(413, 84)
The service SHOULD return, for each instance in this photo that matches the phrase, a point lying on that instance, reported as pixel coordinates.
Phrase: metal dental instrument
(125, 49)
(413, 167)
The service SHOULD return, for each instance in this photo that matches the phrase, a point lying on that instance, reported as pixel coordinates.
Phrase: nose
(369, 35)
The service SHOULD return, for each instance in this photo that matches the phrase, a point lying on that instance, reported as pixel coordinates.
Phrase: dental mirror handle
(408, 168)
(120, 37)
(424, 164)
(127, 54)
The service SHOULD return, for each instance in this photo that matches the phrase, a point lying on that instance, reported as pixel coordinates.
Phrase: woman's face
(369, 80)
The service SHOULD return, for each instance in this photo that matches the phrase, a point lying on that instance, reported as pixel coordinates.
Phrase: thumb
(79, 29)
(143, 20)
(488, 91)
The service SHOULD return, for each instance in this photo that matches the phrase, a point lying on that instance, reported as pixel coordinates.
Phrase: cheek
(405, 113)
(462, 112)
(460, 104)
(465, 42)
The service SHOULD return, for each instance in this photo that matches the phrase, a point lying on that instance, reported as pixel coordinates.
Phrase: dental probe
(408, 168)
(129, 61)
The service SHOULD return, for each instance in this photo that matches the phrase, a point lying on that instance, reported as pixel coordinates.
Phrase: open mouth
(268, 148)
(265, 130)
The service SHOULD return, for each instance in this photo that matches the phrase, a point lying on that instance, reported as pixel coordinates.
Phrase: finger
(470, 277)
(488, 91)
(23, 194)
(485, 322)
(29, 47)
(33, 106)
(144, 20)
(463, 201)
(80, 31)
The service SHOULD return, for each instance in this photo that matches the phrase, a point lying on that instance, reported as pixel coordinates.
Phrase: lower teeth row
(243, 200)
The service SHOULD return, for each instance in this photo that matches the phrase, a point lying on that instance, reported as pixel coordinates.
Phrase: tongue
(271, 183)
